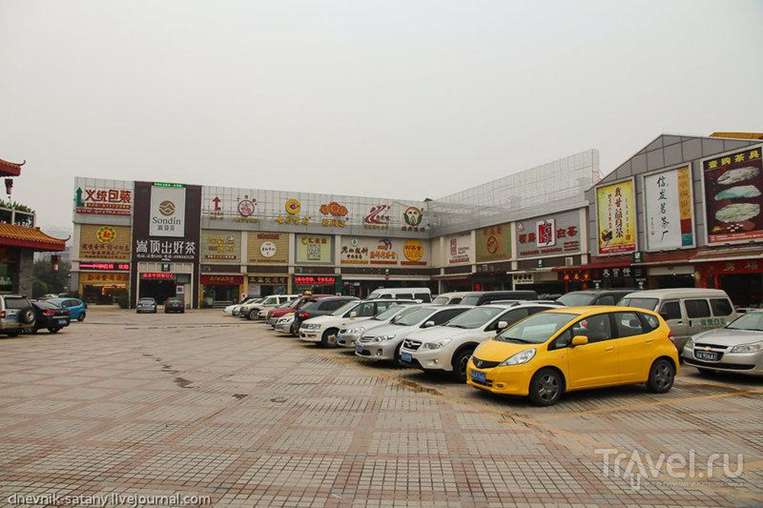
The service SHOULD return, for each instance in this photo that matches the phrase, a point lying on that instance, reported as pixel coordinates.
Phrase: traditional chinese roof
(29, 238)
(10, 168)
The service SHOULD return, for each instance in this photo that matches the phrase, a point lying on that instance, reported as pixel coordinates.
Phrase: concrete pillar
(26, 267)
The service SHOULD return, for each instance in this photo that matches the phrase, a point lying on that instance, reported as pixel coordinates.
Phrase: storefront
(267, 263)
(317, 284)
(742, 279)
(104, 266)
(103, 283)
(159, 285)
(221, 290)
(266, 285)
(493, 253)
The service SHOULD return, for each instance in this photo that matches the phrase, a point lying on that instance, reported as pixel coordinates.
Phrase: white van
(686, 311)
(453, 298)
(422, 294)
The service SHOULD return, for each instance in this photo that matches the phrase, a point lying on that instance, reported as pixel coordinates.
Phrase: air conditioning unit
(569, 261)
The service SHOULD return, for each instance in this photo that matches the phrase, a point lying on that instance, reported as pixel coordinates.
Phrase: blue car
(77, 308)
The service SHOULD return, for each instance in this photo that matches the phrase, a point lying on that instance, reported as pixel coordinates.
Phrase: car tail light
(49, 313)
(2, 314)
(304, 315)
(671, 337)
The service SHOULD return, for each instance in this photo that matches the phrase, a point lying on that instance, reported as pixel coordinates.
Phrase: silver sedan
(737, 347)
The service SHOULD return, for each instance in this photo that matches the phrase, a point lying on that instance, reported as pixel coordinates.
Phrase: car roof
(454, 294)
(598, 291)
(597, 309)
(522, 305)
(678, 293)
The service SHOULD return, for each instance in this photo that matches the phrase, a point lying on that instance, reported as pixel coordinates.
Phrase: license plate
(478, 377)
(358, 348)
(710, 356)
(406, 357)
(61, 321)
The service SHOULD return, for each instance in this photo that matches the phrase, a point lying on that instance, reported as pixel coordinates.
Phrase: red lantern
(8, 185)
(54, 259)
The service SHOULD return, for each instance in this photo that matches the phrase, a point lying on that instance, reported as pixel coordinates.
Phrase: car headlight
(753, 347)
(312, 326)
(689, 344)
(437, 344)
(355, 331)
(519, 358)
(381, 338)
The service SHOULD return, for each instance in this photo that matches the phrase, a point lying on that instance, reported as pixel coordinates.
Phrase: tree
(46, 280)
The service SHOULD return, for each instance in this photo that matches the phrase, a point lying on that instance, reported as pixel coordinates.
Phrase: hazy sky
(400, 98)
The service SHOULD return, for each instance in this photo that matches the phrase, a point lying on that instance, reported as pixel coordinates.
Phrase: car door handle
(649, 341)
(610, 348)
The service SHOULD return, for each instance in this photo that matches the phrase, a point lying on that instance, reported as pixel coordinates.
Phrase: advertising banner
(267, 248)
(104, 242)
(556, 234)
(458, 249)
(222, 280)
(167, 212)
(221, 247)
(494, 243)
(383, 252)
(94, 196)
(733, 185)
(668, 206)
(616, 217)
(314, 248)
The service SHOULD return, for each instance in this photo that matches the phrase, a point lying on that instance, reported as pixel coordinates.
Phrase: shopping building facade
(684, 211)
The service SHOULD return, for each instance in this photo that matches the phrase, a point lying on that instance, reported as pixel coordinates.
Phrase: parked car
(324, 329)
(49, 316)
(322, 307)
(297, 304)
(174, 304)
(566, 349)
(352, 332)
(233, 309)
(286, 305)
(477, 298)
(284, 323)
(251, 311)
(146, 305)
(448, 347)
(16, 315)
(593, 297)
(687, 311)
(384, 342)
(76, 307)
(449, 298)
(737, 347)
(424, 295)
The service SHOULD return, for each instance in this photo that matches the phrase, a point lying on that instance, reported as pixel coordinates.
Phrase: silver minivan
(687, 311)
(16, 314)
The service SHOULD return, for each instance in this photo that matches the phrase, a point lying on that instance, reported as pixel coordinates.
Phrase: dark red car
(294, 306)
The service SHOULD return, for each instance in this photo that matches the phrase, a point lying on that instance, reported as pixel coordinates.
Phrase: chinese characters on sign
(105, 242)
(221, 246)
(92, 200)
(336, 215)
(314, 249)
(167, 211)
(413, 217)
(458, 249)
(493, 243)
(557, 234)
(616, 218)
(103, 278)
(381, 251)
(120, 267)
(268, 248)
(292, 216)
(733, 186)
(377, 217)
(165, 249)
(314, 280)
(668, 209)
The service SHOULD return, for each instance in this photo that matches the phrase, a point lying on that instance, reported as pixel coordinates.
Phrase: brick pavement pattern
(202, 404)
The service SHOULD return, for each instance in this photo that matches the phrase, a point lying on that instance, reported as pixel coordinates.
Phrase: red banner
(222, 280)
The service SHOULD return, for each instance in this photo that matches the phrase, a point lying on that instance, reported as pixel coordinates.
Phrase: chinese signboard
(102, 197)
(222, 280)
(334, 215)
(104, 242)
(314, 248)
(377, 217)
(223, 247)
(167, 212)
(616, 217)
(382, 252)
(668, 207)
(268, 248)
(733, 185)
(103, 278)
(413, 217)
(493, 243)
(458, 249)
(157, 276)
(268, 280)
(120, 267)
(314, 280)
(554, 235)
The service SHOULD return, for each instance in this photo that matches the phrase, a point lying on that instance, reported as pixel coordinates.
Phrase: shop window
(627, 324)
(721, 307)
(670, 311)
(696, 309)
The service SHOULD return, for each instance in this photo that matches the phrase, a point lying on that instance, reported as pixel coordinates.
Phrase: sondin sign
(167, 212)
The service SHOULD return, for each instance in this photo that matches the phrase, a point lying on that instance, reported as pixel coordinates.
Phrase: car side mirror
(429, 324)
(501, 325)
(579, 340)
(353, 314)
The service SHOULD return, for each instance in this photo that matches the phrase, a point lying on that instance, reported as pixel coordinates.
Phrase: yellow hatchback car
(576, 348)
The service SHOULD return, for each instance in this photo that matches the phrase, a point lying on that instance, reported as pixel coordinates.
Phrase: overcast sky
(397, 98)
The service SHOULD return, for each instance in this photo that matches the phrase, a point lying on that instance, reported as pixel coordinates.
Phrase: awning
(29, 238)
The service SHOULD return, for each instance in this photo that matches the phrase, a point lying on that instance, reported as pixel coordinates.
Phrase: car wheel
(252, 315)
(546, 387)
(81, 317)
(661, 376)
(460, 361)
(52, 329)
(293, 330)
(329, 337)
(26, 316)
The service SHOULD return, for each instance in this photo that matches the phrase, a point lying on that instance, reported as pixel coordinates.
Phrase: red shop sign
(732, 267)
(122, 267)
(222, 280)
(157, 275)
(321, 280)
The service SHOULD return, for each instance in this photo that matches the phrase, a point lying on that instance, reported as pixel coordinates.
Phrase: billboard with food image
(616, 217)
(733, 184)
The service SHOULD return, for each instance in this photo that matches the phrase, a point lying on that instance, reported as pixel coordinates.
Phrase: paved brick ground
(206, 405)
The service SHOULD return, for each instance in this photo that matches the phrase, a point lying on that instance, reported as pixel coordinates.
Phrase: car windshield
(474, 318)
(536, 329)
(374, 296)
(470, 300)
(576, 299)
(387, 313)
(270, 300)
(46, 305)
(173, 300)
(344, 308)
(641, 303)
(146, 300)
(414, 317)
(749, 321)
(441, 300)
